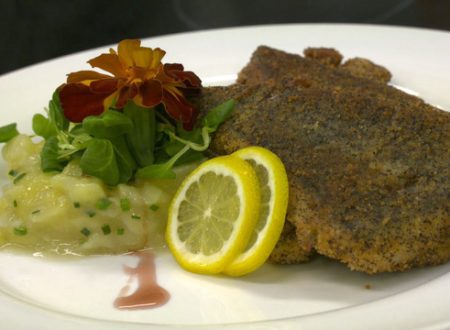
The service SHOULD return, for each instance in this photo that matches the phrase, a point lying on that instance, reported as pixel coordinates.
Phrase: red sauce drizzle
(148, 293)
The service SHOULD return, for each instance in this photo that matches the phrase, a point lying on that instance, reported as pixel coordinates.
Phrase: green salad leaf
(141, 140)
(56, 113)
(185, 146)
(7, 132)
(125, 160)
(109, 125)
(118, 146)
(50, 160)
(218, 115)
(99, 160)
(42, 126)
(54, 122)
(156, 171)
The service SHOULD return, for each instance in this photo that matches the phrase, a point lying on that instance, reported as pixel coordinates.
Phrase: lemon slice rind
(253, 257)
(248, 193)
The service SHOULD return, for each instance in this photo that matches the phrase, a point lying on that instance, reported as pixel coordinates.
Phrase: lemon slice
(274, 191)
(212, 214)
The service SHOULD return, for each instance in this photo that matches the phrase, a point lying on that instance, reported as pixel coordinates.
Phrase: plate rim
(231, 30)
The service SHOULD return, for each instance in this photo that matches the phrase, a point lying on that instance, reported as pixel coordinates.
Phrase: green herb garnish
(125, 204)
(86, 232)
(109, 125)
(42, 126)
(19, 177)
(187, 144)
(20, 231)
(90, 213)
(135, 216)
(14, 203)
(13, 173)
(50, 156)
(99, 160)
(128, 132)
(120, 231)
(154, 207)
(7, 132)
(141, 140)
(76, 205)
(103, 203)
(106, 229)
(35, 211)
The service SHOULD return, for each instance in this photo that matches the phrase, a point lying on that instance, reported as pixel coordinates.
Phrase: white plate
(38, 293)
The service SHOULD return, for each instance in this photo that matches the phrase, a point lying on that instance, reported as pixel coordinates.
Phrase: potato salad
(71, 213)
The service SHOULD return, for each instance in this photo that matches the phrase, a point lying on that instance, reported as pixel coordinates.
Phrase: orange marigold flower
(137, 75)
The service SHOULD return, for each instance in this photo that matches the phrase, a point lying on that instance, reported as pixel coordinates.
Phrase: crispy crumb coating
(326, 56)
(363, 68)
(368, 164)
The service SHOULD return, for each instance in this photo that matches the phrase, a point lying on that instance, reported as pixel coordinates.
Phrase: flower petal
(85, 75)
(142, 57)
(176, 71)
(142, 74)
(138, 75)
(104, 86)
(79, 101)
(126, 93)
(125, 51)
(180, 109)
(151, 92)
(109, 63)
(158, 54)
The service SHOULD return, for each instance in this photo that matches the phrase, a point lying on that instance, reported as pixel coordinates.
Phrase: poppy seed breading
(368, 164)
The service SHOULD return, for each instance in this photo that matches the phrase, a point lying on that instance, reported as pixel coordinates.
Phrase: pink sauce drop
(148, 293)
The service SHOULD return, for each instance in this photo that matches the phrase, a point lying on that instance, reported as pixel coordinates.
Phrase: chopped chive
(35, 211)
(20, 231)
(135, 216)
(106, 229)
(14, 203)
(86, 232)
(76, 205)
(103, 203)
(91, 214)
(13, 173)
(19, 177)
(154, 207)
(125, 204)
(120, 231)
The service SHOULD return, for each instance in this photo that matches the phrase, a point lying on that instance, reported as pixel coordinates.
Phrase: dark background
(37, 30)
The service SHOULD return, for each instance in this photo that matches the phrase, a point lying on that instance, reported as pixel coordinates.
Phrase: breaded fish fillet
(368, 165)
